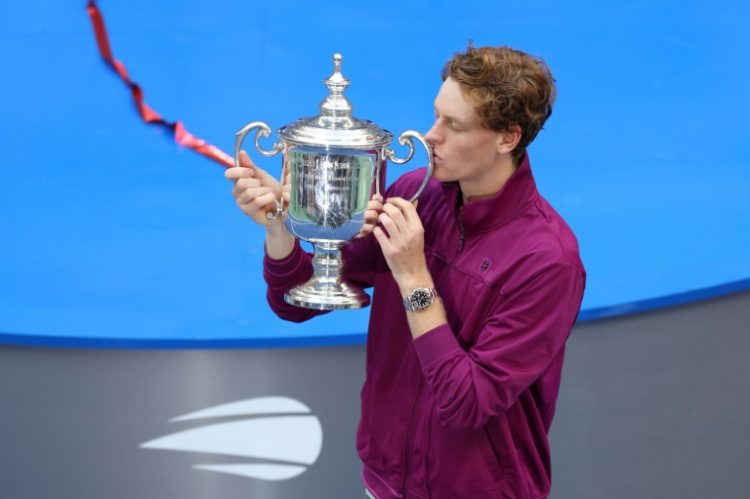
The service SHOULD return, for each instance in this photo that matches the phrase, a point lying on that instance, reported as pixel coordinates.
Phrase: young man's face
(464, 150)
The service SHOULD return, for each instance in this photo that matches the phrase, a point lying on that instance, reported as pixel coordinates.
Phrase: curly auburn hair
(508, 87)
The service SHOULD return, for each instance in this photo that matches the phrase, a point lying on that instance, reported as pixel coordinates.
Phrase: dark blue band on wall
(323, 340)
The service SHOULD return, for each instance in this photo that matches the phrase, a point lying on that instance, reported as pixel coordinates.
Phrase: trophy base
(340, 296)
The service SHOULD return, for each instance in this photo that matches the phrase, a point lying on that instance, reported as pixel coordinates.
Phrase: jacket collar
(514, 197)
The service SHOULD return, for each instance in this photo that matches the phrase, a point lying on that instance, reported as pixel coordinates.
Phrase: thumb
(261, 174)
(245, 161)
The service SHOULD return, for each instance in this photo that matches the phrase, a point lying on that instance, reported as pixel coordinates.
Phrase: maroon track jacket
(464, 410)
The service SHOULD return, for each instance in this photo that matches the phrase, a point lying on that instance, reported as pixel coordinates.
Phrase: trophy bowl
(336, 163)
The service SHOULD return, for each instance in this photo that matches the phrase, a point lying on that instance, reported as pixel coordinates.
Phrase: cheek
(478, 150)
(464, 149)
(456, 146)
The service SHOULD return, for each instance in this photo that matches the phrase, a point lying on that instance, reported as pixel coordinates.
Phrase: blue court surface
(113, 235)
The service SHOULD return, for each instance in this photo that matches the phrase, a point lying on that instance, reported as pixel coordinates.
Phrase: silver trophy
(337, 162)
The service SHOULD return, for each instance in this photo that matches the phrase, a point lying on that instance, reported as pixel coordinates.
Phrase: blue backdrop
(111, 234)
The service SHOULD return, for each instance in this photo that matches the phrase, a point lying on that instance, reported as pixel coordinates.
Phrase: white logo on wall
(280, 429)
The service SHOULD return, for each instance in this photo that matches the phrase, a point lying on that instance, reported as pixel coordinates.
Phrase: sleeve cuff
(436, 344)
(286, 266)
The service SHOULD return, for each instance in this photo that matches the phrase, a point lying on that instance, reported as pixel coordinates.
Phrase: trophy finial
(337, 83)
(336, 107)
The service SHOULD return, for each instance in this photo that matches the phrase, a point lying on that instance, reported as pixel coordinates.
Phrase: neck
(489, 185)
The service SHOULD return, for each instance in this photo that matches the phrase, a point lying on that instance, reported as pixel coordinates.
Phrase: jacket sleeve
(359, 256)
(521, 337)
(282, 275)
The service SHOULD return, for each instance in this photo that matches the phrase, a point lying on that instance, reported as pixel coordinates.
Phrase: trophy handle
(264, 130)
(404, 139)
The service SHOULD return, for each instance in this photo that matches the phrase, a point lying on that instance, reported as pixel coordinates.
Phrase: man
(476, 289)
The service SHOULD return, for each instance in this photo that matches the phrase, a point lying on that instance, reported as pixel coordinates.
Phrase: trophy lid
(335, 126)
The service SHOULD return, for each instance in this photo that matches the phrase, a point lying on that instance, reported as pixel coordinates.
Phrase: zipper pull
(462, 236)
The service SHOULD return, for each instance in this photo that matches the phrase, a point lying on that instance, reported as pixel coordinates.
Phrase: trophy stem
(325, 290)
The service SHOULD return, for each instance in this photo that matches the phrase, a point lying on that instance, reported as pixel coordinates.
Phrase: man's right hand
(257, 194)
(255, 191)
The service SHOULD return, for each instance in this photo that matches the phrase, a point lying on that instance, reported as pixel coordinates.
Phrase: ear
(507, 141)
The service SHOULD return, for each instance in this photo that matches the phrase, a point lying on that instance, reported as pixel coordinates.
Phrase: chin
(440, 175)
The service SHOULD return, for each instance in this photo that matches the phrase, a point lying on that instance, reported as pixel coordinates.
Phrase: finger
(367, 227)
(243, 185)
(364, 231)
(388, 224)
(383, 241)
(246, 183)
(263, 202)
(407, 209)
(402, 203)
(371, 217)
(396, 214)
(238, 173)
(375, 205)
(245, 161)
(248, 195)
(263, 175)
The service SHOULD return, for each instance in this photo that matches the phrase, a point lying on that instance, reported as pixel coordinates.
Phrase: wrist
(420, 299)
(408, 283)
(279, 241)
(276, 229)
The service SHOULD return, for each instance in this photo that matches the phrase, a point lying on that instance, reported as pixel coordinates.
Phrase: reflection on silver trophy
(336, 163)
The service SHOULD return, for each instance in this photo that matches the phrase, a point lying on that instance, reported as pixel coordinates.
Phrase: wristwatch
(420, 299)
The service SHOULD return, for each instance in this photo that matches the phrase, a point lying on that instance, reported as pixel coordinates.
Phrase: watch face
(420, 298)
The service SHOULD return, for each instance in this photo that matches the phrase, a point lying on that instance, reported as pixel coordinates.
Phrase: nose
(433, 136)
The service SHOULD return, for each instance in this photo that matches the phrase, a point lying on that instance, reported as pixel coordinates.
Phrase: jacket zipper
(408, 440)
(461, 232)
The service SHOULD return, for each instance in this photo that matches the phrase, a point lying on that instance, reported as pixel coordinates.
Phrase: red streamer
(181, 135)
